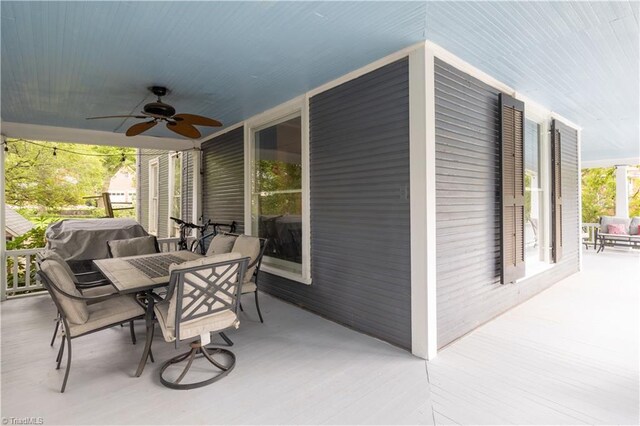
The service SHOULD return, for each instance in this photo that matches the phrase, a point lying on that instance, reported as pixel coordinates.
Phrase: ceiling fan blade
(117, 116)
(183, 129)
(197, 120)
(136, 129)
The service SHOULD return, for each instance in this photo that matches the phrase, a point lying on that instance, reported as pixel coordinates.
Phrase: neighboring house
(15, 224)
(413, 199)
(122, 187)
(165, 188)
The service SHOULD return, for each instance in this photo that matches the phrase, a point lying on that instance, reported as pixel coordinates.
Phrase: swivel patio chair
(202, 299)
(82, 315)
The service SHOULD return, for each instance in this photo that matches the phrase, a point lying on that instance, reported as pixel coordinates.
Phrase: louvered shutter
(512, 160)
(556, 192)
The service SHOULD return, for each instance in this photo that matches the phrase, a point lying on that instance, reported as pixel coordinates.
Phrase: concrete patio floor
(567, 356)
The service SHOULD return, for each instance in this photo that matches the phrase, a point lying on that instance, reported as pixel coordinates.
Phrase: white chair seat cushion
(221, 244)
(248, 247)
(75, 310)
(188, 329)
(249, 287)
(133, 246)
(109, 312)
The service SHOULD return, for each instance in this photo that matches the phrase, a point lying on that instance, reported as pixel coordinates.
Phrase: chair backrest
(133, 246)
(605, 221)
(254, 248)
(221, 243)
(61, 287)
(205, 287)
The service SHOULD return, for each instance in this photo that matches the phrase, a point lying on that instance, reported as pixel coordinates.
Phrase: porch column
(3, 234)
(622, 191)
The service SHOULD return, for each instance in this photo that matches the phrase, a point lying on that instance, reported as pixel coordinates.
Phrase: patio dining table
(136, 274)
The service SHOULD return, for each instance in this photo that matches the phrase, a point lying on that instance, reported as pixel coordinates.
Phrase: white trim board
(629, 161)
(91, 137)
(422, 203)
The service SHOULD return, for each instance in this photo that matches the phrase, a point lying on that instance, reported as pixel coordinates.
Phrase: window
(278, 205)
(154, 177)
(175, 192)
(533, 192)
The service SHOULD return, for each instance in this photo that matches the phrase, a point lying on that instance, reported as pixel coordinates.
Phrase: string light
(55, 149)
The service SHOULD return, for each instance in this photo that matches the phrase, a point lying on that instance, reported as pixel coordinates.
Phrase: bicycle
(198, 245)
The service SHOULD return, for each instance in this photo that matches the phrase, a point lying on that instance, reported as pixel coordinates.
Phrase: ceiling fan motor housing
(160, 108)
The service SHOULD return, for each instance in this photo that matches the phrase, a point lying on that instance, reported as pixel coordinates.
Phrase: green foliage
(599, 194)
(272, 179)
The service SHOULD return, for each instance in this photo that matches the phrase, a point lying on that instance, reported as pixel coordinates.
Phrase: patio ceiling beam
(92, 137)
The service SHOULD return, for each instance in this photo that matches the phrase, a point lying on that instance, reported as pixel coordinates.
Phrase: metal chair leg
(66, 374)
(133, 332)
(60, 352)
(55, 330)
(258, 307)
(226, 339)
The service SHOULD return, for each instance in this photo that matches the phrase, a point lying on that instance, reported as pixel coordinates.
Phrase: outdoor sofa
(618, 231)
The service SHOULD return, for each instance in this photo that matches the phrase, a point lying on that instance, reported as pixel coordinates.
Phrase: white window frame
(154, 196)
(172, 229)
(296, 107)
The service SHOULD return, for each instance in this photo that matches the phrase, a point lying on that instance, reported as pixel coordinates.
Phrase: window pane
(533, 191)
(277, 192)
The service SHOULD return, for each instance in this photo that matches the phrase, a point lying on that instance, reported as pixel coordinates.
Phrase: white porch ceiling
(64, 61)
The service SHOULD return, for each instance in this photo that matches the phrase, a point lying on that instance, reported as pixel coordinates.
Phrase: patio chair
(98, 286)
(251, 247)
(254, 248)
(202, 299)
(80, 314)
(133, 246)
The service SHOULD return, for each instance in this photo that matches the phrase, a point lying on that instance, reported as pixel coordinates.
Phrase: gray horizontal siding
(469, 292)
(147, 155)
(223, 178)
(359, 178)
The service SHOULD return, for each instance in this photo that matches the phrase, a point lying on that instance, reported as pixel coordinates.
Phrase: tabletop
(138, 273)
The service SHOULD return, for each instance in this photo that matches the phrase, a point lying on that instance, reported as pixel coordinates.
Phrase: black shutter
(512, 161)
(556, 193)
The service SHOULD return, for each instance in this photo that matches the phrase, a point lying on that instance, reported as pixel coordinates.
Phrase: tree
(599, 194)
(36, 177)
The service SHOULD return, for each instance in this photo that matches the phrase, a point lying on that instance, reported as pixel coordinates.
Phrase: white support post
(422, 203)
(622, 192)
(3, 235)
(196, 155)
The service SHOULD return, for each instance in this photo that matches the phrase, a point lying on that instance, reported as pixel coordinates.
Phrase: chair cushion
(75, 310)
(171, 304)
(221, 244)
(605, 221)
(248, 247)
(50, 254)
(112, 311)
(102, 290)
(634, 226)
(249, 287)
(188, 329)
(618, 229)
(133, 246)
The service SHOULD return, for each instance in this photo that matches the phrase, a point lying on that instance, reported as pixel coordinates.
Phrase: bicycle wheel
(198, 247)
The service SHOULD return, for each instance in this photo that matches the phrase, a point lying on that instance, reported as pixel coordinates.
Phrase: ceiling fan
(155, 112)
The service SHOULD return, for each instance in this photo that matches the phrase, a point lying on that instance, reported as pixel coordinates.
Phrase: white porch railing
(22, 267)
(589, 233)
